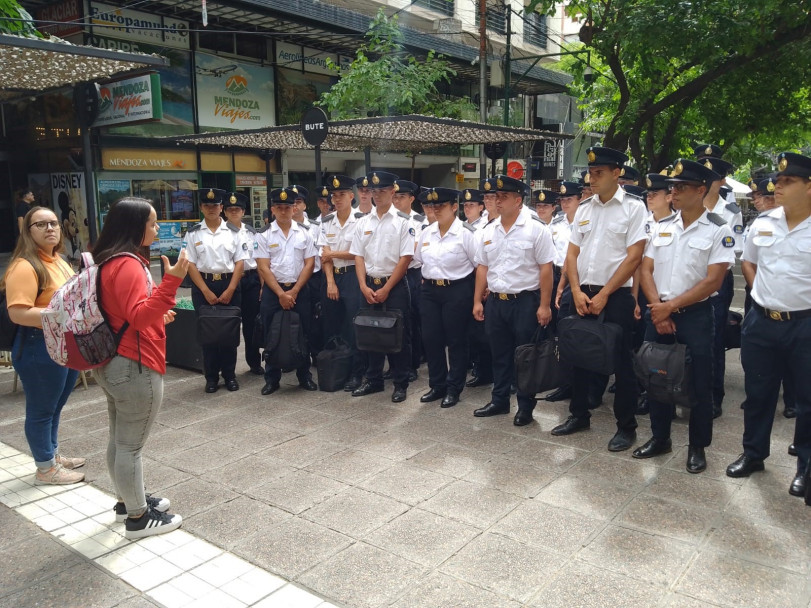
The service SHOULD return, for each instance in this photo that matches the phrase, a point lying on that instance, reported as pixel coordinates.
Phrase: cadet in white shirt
(216, 253)
(446, 250)
(776, 334)
(607, 242)
(515, 256)
(383, 247)
(543, 202)
(235, 205)
(473, 208)
(341, 298)
(685, 262)
(285, 257)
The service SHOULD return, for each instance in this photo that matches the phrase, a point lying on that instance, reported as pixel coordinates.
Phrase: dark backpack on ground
(334, 365)
(286, 346)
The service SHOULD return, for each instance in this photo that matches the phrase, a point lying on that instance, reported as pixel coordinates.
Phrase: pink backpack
(77, 332)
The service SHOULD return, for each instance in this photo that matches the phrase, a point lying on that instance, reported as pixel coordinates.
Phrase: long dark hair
(27, 249)
(124, 229)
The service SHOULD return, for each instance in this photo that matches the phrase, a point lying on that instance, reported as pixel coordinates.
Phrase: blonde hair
(28, 250)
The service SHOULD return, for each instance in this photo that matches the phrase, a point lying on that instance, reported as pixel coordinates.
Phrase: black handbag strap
(540, 334)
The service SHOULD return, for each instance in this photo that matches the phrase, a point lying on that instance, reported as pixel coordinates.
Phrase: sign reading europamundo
(117, 22)
(130, 100)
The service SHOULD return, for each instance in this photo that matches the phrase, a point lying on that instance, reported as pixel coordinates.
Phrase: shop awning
(411, 133)
(34, 65)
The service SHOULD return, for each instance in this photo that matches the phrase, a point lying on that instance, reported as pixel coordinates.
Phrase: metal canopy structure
(34, 65)
(411, 133)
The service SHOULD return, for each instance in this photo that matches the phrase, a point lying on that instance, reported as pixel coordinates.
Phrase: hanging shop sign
(69, 13)
(134, 25)
(135, 99)
(233, 94)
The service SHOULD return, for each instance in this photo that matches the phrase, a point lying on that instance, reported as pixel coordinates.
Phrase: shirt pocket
(800, 256)
(698, 251)
(519, 252)
(616, 236)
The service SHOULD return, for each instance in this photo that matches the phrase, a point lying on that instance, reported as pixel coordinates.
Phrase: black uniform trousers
(556, 273)
(414, 278)
(510, 323)
(721, 303)
(768, 348)
(445, 322)
(399, 363)
(619, 309)
(269, 307)
(249, 286)
(338, 315)
(316, 336)
(694, 327)
(216, 359)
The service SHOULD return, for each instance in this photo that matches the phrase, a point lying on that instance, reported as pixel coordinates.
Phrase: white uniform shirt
(381, 242)
(248, 235)
(783, 259)
(417, 221)
(286, 254)
(478, 223)
(447, 257)
(337, 237)
(681, 255)
(512, 258)
(604, 232)
(561, 231)
(734, 219)
(314, 227)
(215, 251)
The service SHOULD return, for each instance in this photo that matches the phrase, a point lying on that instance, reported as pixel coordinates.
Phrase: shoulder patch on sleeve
(328, 218)
(359, 214)
(732, 208)
(716, 219)
(232, 228)
(468, 226)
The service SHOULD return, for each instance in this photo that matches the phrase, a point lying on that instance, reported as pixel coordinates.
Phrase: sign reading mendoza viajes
(130, 100)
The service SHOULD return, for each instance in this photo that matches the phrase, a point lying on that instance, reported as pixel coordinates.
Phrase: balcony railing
(440, 6)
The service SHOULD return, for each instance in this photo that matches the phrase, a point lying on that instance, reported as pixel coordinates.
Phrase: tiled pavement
(302, 498)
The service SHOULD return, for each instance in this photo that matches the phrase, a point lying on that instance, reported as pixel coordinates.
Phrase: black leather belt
(695, 306)
(782, 315)
(377, 280)
(599, 288)
(217, 276)
(343, 270)
(440, 282)
(287, 285)
(504, 296)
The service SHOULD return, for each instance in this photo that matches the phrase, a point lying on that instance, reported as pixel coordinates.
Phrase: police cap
(235, 199)
(789, 163)
(599, 156)
(544, 197)
(211, 196)
(379, 179)
(403, 186)
(437, 196)
(505, 183)
(570, 189)
(488, 185)
(300, 192)
(720, 166)
(470, 195)
(656, 181)
(692, 172)
(702, 151)
(337, 182)
(630, 173)
(281, 196)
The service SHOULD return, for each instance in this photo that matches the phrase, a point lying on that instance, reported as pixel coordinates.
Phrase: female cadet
(446, 249)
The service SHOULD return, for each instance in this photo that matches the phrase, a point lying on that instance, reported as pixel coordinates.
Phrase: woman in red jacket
(133, 379)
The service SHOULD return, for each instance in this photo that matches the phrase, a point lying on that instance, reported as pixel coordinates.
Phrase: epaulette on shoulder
(328, 218)
(732, 207)
(558, 219)
(404, 215)
(264, 228)
(669, 218)
(195, 228)
(303, 225)
(359, 214)
(315, 222)
(468, 226)
(634, 197)
(716, 219)
(231, 227)
(420, 218)
(537, 219)
(490, 221)
(250, 228)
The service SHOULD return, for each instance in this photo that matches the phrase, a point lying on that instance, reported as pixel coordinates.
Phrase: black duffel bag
(537, 365)
(732, 331)
(379, 331)
(218, 325)
(666, 372)
(334, 365)
(590, 343)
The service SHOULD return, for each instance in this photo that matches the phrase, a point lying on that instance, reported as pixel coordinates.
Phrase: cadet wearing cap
(404, 194)
(285, 258)
(703, 151)
(607, 242)
(473, 206)
(776, 335)
(629, 176)
(235, 205)
(447, 250)
(383, 247)
(515, 256)
(544, 203)
(684, 264)
(365, 202)
(341, 296)
(216, 255)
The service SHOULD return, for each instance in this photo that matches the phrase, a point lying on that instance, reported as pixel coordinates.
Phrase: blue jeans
(47, 387)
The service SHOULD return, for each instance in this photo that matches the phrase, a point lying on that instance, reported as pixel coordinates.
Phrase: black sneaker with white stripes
(151, 523)
(159, 504)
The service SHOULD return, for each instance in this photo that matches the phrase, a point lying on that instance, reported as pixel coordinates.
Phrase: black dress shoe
(716, 411)
(613, 388)
(621, 441)
(388, 375)
(450, 400)
(560, 394)
(792, 450)
(308, 385)
(232, 385)
(571, 425)
(790, 412)
(434, 394)
(491, 409)
(523, 418)
(212, 386)
(478, 381)
(258, 371)
(399, 395)
(412, 375)
(696, 460)
(270, 388)
(798, 485)
(653, 447)
(352, 384)
(367, 388)
(744, 466)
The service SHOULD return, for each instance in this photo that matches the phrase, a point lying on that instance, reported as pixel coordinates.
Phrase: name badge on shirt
(425, 244)
(487, 242)
(583, 223)
(764, 233)
(367, 232)
(198, 243)
(272, 245)
(329, 236)
(665, 234)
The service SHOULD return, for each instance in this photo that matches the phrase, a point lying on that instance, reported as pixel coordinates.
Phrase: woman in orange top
(35, 272)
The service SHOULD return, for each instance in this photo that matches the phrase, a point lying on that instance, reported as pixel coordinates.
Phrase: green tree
(12, 11)
(733, 72)
(384, 79)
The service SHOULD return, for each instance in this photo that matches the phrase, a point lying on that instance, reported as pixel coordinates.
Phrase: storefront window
(173, 199)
